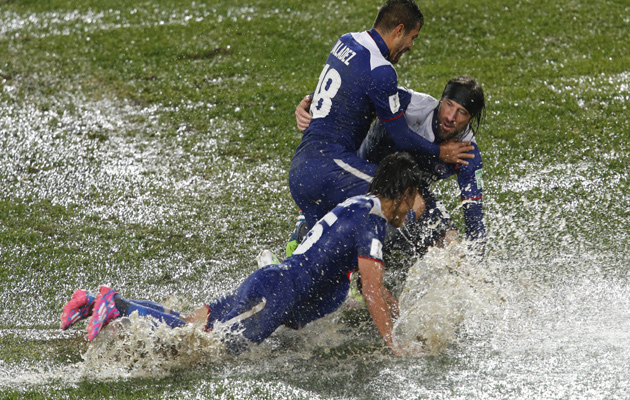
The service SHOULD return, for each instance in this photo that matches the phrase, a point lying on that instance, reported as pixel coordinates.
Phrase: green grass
(212, 89)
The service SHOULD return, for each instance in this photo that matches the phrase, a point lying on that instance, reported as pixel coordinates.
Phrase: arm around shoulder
(302, 115)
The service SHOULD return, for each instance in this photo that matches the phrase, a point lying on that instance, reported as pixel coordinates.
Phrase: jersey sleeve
(470, 180)
(370, 237)
(386, 98)
(383, 91)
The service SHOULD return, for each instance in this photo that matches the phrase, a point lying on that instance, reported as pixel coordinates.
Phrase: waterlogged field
(146, 146)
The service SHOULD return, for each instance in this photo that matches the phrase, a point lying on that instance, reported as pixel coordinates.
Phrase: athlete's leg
(317, 306)
(82, 304)
(254, 310)
(156, 306)
(109, 305)
(169, 317)
(320, 181)
(199, 316)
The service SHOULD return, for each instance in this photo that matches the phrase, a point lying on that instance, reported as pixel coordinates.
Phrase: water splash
(139, 347)
(558, 249)
(442, 290)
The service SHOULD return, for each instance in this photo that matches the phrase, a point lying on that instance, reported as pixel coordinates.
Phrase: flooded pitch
(546, 315)
(554, 324)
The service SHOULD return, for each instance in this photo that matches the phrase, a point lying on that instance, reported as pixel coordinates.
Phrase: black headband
(460, 94)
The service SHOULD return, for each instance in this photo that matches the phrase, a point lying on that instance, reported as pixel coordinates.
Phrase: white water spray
(441, 291)
(138, 347)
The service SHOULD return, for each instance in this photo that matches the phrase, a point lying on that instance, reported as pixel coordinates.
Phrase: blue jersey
(311, 283)
(329, 252)
(421, 115)
(357, 84)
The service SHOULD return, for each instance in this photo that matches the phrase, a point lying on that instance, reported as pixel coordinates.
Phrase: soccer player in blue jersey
(311, 283)
(358, 84)
(455, 117)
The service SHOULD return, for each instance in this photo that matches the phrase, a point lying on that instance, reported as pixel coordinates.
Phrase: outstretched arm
(381, 304)
(405, 139)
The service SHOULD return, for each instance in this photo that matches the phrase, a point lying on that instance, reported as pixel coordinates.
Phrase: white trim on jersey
(376, 57)
(349, 168)
(377, 209)
(254, 310)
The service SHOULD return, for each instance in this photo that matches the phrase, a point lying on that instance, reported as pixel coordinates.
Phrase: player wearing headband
(311, 283)
(455, 117)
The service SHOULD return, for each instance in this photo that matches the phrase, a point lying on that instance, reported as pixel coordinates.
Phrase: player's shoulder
(364, 206)
(420, 103)
(350, 55)
(468, 136)
(356, 202)
(419, 96)
(371, 49)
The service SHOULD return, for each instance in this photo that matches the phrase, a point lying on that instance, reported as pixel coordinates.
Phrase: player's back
(342, 108)
(330, 250)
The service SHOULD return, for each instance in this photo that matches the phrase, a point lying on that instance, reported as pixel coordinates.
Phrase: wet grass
(147, 145)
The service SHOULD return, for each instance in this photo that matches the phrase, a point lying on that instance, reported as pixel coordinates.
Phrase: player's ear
(400, 30)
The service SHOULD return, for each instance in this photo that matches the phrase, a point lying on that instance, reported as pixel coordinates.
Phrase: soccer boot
(298, 234)
(265, 258)
(104, 311)
(79, 307)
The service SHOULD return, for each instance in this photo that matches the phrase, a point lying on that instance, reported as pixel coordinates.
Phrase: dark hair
(394, 175)
(396, 12)
(468, 93)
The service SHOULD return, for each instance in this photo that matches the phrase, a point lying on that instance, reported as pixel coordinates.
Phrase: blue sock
(126, 307)
(155, 306)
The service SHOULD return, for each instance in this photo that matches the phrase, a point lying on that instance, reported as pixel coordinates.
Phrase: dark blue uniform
(311, 283)
(357, 84)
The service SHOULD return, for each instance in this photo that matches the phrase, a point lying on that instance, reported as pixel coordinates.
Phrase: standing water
(545, 315)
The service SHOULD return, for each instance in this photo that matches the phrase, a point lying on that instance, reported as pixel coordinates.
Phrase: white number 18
(327, 87)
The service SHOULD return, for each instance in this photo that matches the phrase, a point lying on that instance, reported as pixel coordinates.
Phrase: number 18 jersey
(357, 84)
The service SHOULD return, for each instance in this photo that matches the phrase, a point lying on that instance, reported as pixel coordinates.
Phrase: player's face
(403, 44)
(406, 203)
(453, 119)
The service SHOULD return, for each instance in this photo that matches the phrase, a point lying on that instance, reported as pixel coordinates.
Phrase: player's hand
(454, 152)
(302, 115)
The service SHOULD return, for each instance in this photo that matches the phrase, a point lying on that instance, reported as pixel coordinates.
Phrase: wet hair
(394, 175)
(396, 12)
(468, 93)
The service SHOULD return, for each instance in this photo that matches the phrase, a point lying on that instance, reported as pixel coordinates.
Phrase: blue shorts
(266, 300)
(322, 176)
(270, 286)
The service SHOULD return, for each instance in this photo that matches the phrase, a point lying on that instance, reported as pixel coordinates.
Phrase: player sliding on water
(310, 284)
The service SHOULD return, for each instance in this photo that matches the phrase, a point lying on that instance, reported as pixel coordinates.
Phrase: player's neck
(388, 207)
(388, 38)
